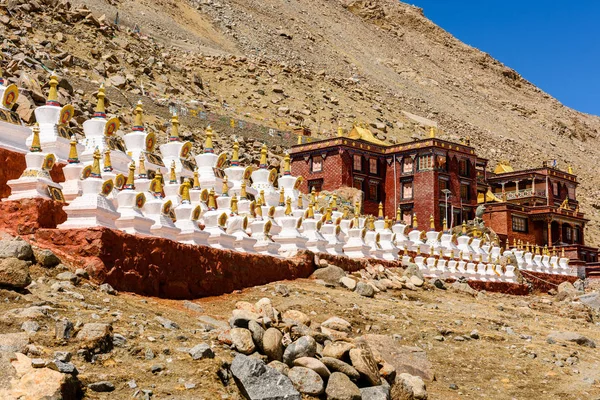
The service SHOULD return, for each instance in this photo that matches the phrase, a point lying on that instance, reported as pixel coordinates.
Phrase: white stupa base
(197, 238)
(357, 250)
(290, 245)
(31, 188)
(133, 222)
(245, 244)
(267, 248)
(218, 239)
(90, 211)
(315, 246)
(13, 137)
(336, 249)
(165, 229)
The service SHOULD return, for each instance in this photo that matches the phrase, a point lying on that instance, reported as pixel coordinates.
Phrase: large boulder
(96, 336)
(330, 274)
(306, 381)
(592, 300)
(574, 337)
(340, 387)
(14, 273)
(364, 362)
(16, 248)
(409, 386)
(272, 344)
(242, 340)
(13, 342)
(256, 381)
(46, 258)
(381, 392)
(306, 346)
(335, 365)
(409, 359)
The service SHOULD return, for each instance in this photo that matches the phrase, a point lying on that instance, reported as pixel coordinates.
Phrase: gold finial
(398, 215)
(340, 130)
(445, 225)
(546, 250)
(138, 122)
(431, 222)
(346, 212)
(208, 143)
(212, 204)
(157, 185)
(107, 161)
(282, 197)
(310, 213)
(313, 195)
(53, 93)
(537, 250)
(225, 187)
(415, 223)
(172, 174)
(288, 206)
(100, 111)
(243, 193)
(96, 164)
(432, 132)
(184, 189)
(73, 156)
(514, 242)
(196, 180)
(300, 205)
(328, 219)
(36, 147)
(130, 178)
(570, 170)
(262, 197)
(235, 158)
(142, 173)
(299, 139)
(356, 209)
(464, 227)
(286, 165)
(380, 213)
(258, 211)
(562, 252)
(174, 135)
(334, 203)
(263, 156)
(234, 205)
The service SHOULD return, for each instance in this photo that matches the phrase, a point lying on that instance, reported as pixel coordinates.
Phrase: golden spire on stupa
(258, 211)
(380, 211)
(334, 203)
(415, 223)
(235, 157)
(53, 92)
(286, 165)
(100, 111)
(282, 197)
(346, 212)
(208, 143)
(300, 205)
(157, 184)
(310, 213)
(234, 205)
(243, 193)
(130, 184)
(464, 227)
(138, 121)
(328, 219)
(431, 222)
(174, 135)
(225, 187)
(142, 173)
(107, 161)
(263, 156)
(172, 174)
(196, 185)
(36, 147)
(262, 197)
(398, 215)
(73, 156)
(96, 165)
(445, 227)
(288, 206)
(184, 190)
(212, 204)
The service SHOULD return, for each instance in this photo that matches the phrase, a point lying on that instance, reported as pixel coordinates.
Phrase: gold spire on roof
(208, 143)
(340, 130)
(172, 174)
(243, 193)
(36, 147)
(286, 165)
(100, 111)
(212, 204)
(142, 173)
(503, 167)
(225, 187)
(362, 133)
(107, 161)
(282, 197)
(138, 122)
(263, 156)
(196, 185)
(464, 227)
(432, 132)
(174, 135)
(73, 156)
(570, 170)
(184, 189)
(130, 178)
(53, 92)
(300, 205)
(299, 139)
(234, 205)
(235, 157)
(288, 206)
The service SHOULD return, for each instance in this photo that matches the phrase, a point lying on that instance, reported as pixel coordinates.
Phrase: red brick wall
(331, 172)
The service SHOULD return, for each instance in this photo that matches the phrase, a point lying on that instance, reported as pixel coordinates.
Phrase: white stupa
(130, 201)
(263, 179)
(237, 175)
(139, 142)
(72, 172)
(207, 162)
(176, 150)
(13, 134)
(187, 218)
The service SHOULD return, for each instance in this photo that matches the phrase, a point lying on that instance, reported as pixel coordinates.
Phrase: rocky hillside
(277, 65)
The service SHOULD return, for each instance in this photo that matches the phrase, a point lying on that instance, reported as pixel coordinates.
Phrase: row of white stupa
(211, 205)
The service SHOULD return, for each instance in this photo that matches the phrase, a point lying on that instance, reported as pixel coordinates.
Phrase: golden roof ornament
(174, 135)
(313, 195)
(235, 158)
(196, 185)
(225, 187)
(346, 212)
(334, 203)
(380, 211)
(138, 121)
(130, 184)
(142, 173)
(53, 92)
(562, 252)
(208, 143)
(300, 205)
(184, 190)
(172, 174)
(243, 193)
(286, 165)
(288, 206)
(431, 132)
(212, 204)
(263, 157)
(107, 161)
(234, 205)
(340, 130)
(73, 156)
(570, 170)
(36, 147)
(96, 165)
(100, 111)
(299, 139)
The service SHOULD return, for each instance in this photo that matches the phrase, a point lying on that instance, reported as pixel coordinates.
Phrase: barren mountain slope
(320, 63)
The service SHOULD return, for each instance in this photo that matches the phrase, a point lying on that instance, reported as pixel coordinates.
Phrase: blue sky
(553, 44)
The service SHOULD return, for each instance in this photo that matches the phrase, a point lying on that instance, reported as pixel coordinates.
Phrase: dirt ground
(510, 360)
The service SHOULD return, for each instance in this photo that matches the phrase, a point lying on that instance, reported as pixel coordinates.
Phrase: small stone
(156, 368)
(38, 363)
(272, 344)
(348, 283)
(63, 356)
(410, 385)
(68, 276)
(106, 288)
(330, 274)
(333, 364)
(340, 387)
(282, 289)
(364, 289)
(474, 334)
(242, 340)
(279, 366)
(193, 306)
(363, 361)
(257, 381)
(16, 248)
(119, 340)
(46, 258)
(440, 284)
(338, 324)
(337, 349)
(166, 323)
(30, 326)
(63, 367)
(257, 332)
(97, 336)
(314, 364)
(14, 273)
(63, 329)
(453, 386)
(381, 392)
(201, 351)
(306, 381)
(415, 280)
(189, 386)
(149, 354)
(82, 273)
(102, 386)
(571, 337)
(298, 316)
(306, 346)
